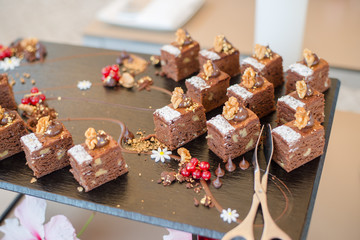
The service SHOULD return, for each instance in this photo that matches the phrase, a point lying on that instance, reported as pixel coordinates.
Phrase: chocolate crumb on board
(207, 201)
(196, 202)
(33, 180)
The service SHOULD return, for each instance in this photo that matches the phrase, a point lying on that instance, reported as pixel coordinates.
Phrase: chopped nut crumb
(26, 75)
(22, 80)
(80, 189)
(33, 180)
(33, 82)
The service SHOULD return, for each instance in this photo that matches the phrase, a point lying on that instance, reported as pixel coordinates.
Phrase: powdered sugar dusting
(291, 102)
(31, 142)
(198, 82)
(171, 49)
(209, 54)
(79, 153)
(240, 91)
(288, 134)
(253, 62)
(221, 124)
(168, 114)
(301, 69)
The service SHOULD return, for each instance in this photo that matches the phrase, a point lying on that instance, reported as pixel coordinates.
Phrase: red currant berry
(206, 175)
(2, 55)
(204, 166)
(115, 68)
(190, 167)
(25, 100)
(195, 161)
(196, 174)
(105, 71)
(42, 97)
(7, 52)
(185, 172)
(34, 90)
(34, 100)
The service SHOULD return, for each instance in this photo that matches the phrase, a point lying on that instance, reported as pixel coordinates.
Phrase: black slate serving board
(136, 195)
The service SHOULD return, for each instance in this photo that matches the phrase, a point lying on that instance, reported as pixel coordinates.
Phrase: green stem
(86, 225)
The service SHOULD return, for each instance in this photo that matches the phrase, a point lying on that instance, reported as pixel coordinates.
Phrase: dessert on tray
(179, 122)
(45, 150)
(254, 92)
(312, 69)
(209, 86)
(234, 132)
(179, 59)
(7, 99)
(299, 141)
(97, 161)
(29, 48)
(12, 128)
(305, 97)
(267, 63)
(224, 55)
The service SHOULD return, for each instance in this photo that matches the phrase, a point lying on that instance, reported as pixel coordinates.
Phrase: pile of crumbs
(143, 144)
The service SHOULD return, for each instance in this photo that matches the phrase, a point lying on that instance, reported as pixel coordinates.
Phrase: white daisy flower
(229, 215)
(10, 63)
(84, 85)
(160, 154)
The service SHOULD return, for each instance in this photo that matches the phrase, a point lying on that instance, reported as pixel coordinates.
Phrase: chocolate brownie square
(234, 132)
(12, 128)
(97, 161)
(224, 55)
(255, 93)
(7, 99)
(209, 89)
(315, 72)
(293, 147)
(179, 59)
(179, 122)
(311, 100)
(267, 63)
(45, 150)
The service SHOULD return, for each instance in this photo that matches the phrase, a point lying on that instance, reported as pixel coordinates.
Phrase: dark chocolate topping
(110, 82)
(316, 60)
(241, 115)
(217, 183)
(230, 166)
(53, 129)
(123, 55)
(309, 91)
(8, 117)
(185, 102)
(310, 123)
(219, 171)
(259, 81)
(128, 135)
(102, 140)
(244, 164)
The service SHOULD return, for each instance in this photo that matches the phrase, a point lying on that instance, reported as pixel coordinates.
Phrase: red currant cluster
(196, 169)
(34, 98)
(5, 52)
(111, 72)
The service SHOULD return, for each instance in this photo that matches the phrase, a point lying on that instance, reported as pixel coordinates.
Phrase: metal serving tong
(245, 228)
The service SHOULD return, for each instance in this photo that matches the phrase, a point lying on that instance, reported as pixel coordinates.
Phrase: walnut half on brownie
(299, 141)
(45, 150)
(12, 128)
(179, 122)
(97, 161)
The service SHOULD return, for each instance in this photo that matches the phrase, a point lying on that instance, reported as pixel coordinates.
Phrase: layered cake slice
(234, 132)
(7, 99)
(97, 161)
(304, 96)
(299, 141)
(209, 86)
(314, 70)
(45, 150)
(267, 63)
(179, 122)
(12, 128)
(254, 92)
(179, 59)
(225, 56)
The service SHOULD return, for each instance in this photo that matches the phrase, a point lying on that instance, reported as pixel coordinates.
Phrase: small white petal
(159, 149)
(167, 157)
(157, 158)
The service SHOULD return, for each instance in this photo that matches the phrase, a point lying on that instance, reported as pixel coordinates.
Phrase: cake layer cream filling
(301, 69)
(253, 62)
(240, 91)
(171, 49)
(198, 82)
(168, 114)
(31, 142)
(80, 155)
(288, 134)
(220, 123)
(291, 102)
(209, 54)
